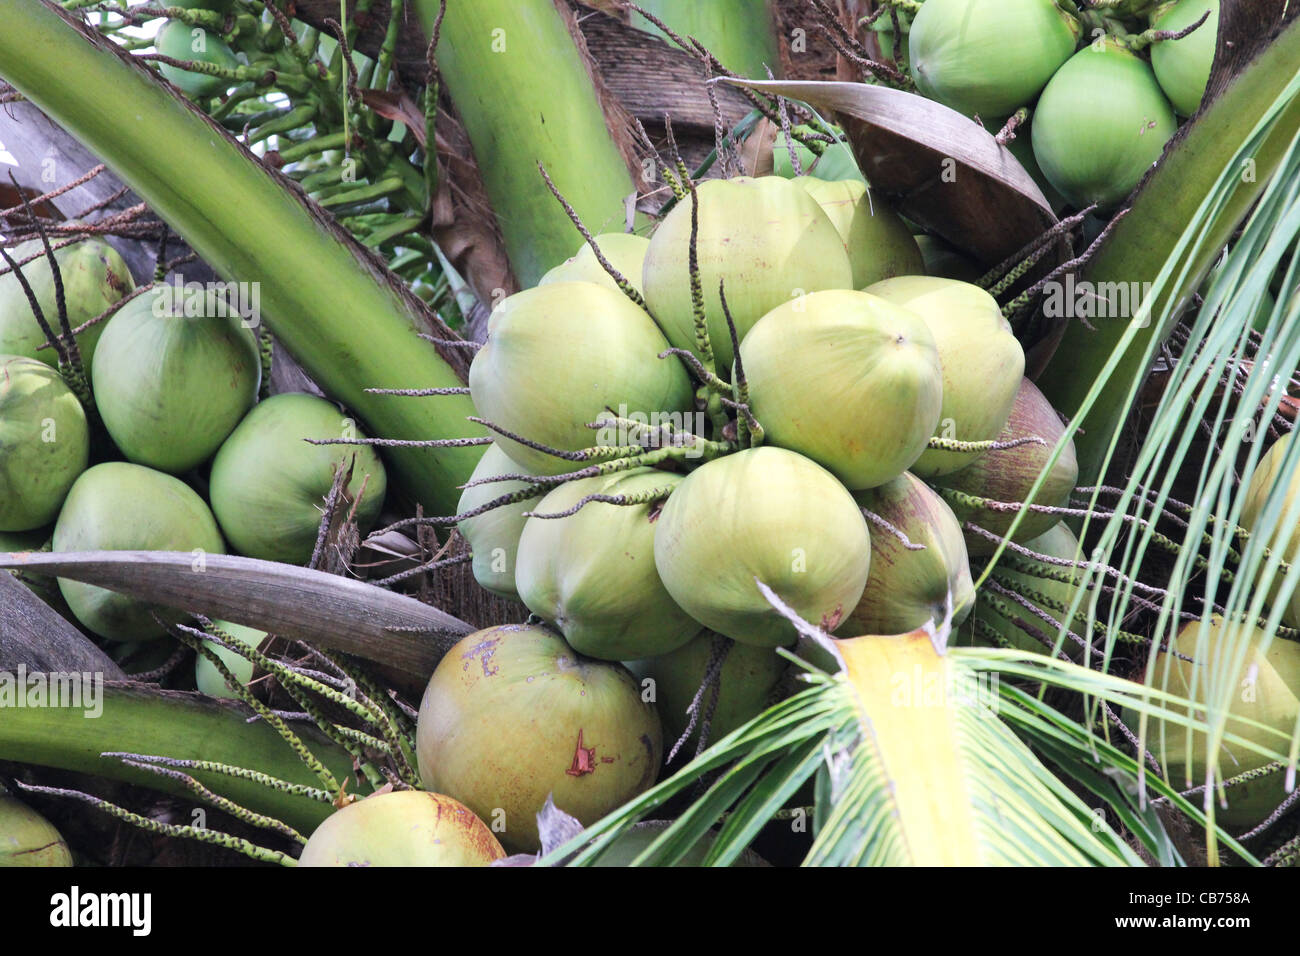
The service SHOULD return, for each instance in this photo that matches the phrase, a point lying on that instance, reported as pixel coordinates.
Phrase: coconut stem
(432, 90)
(224, 804)
(419, 392)
(402, 442)
(266, 349)
(712, 685)
(1148, 37)
(1005, 609)
(1008, 132)
(640, 498)
(746, 436)
(702, 342)
(201, 834)
(313, 763)
(1012, 309)
(1038, 245)
(897, 532)
(227, 770)
(709, 379)
(619, 279)
(952, 444)
(847, 46)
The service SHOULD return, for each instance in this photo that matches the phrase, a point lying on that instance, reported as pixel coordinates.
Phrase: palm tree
(1020, 751)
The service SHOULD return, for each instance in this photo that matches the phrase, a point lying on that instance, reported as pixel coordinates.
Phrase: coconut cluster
(767, 392)
(187, 459)
(1105, 91)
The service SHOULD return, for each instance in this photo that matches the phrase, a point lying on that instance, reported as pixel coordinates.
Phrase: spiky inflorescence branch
(638, 498)
(227, 770)
(214, 837)
(313, 763)
(887, 526)
(1034, 248)
(224, 804)
(620, 280)
(711, 684)
(952, 444)
(298, 685)
(749, 433)
(1021, 302)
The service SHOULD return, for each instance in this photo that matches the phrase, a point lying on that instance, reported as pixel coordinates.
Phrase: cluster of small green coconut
(188, 459)
(766, 389)
(1104, 83)
(191, 44)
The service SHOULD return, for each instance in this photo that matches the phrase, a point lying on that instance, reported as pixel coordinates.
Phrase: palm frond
(1224, 391)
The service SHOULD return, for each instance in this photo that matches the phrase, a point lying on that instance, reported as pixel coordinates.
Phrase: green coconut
(982, 362)
(180, 41)
(27, 838)
(94, 278)
(220, 6)
(883, 28)
(402, 828)
(592, 573)
(988, 59)
(879, 244)
(836, 163)
(1100, 124)
(767, 514)
(1048, 586)
(909, 587)
(171, 388)
(1007, 475)
(1286, 540)
(513, 715)
(1183, 66)
(494, 535)
(206, 676)
(558, 356)
(767, 238)
(269, 483)
(946, 262)
(849, 379)
(122, 507)
(749, 683)
(44, 443)
(1022, 148)
(1266, 690)
(625, 252)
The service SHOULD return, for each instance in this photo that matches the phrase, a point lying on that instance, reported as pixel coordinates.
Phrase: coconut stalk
(1140, 244)
(519, 111)
(399, 634)
(150, 721)
(349, 322)
(740, 33)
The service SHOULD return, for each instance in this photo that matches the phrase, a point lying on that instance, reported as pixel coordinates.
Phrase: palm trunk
(527, 93)
(740, 33)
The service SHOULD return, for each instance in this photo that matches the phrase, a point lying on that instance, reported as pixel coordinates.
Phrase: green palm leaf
(918, 761)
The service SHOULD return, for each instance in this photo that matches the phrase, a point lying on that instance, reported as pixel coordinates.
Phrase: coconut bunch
(1263, 708)
(766, 389)
(149, 435)
(1101, 87)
